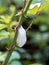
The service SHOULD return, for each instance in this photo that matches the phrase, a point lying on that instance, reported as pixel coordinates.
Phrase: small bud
(21, 39)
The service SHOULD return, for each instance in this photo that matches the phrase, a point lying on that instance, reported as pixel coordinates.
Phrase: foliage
(36, 51)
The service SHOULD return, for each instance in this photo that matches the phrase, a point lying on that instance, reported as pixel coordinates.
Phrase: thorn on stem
(8, 49)
(16, 28)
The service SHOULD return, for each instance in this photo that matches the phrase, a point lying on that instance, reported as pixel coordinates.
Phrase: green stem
(32, 21)
(24, 12)
(11, 48)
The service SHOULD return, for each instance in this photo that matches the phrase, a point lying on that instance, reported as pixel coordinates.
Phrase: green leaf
(43, 6)
(2, 26)
(2, 9)
(43, 28)
(36, 64)
(15, 63)
(15, 55)
(6, 19)
(13, 23)
(18, 14)
(33, 11)
(2, 56)
(4, 34)
(33, 8)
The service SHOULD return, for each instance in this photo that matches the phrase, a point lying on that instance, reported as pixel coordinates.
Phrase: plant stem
(31, 23)
(11, 48)
(24, 12)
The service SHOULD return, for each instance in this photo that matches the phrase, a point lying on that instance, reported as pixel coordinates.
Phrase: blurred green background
(36, 49)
